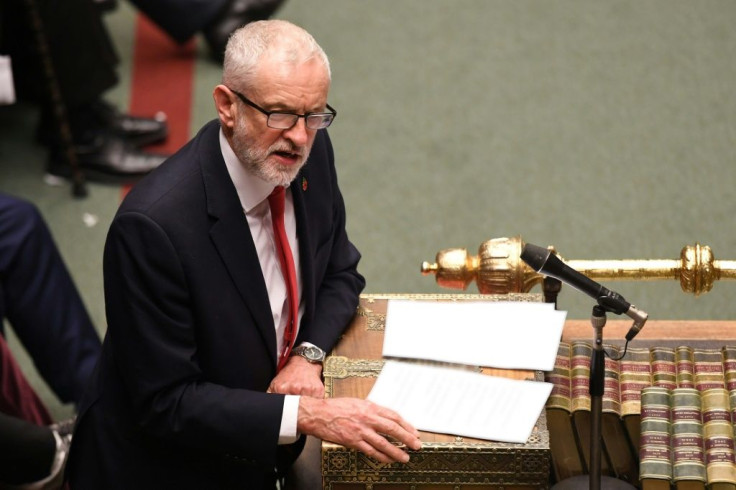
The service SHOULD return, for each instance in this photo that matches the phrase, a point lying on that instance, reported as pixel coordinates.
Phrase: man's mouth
(287, 157)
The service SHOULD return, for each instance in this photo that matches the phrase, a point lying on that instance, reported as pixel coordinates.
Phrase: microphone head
(535, 256)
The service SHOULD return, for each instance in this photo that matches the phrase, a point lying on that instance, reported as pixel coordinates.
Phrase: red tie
(276, 202)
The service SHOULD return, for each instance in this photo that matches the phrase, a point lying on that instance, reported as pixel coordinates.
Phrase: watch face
(312, 353)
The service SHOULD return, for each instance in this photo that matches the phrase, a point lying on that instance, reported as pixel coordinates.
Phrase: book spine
(720, 463)
(560, 397)
(624, 460)
(729, 366)
(732, 401)
(580, 375)
(654, 451)
(611, 400)
(688, 457)
(664, 373)
(635, 375)
(708, 369)
(685, 367)
(566, 459)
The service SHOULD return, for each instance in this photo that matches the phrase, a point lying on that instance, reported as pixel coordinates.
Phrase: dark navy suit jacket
(178, 399)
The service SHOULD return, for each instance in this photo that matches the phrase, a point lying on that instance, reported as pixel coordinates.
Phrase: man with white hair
(228, 275)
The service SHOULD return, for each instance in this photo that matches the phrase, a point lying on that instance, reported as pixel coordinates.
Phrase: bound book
(720, 463)
(580, 380)
(688, 456)
(624, 461)
(708, 369)
(635, 376)
(685, 367)
(691, 439)
(566, 459)
(663, 361)
(655, 467)
(729, 366)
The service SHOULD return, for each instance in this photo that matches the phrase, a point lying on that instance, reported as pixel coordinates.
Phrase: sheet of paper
(461, 402)
(506, 335)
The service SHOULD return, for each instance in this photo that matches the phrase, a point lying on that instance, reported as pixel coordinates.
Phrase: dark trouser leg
(41, 301)
(81, 51)
(28, 451)
(181, 19)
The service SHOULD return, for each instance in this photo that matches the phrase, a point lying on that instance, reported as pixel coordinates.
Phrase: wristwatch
(310, 352)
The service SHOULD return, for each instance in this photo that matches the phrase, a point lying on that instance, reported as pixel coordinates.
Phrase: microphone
(545, 262)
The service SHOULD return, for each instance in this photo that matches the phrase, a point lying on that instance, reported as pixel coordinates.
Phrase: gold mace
(498, 269)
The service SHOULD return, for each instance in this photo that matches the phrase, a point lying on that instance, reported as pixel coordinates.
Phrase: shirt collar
(251, 190)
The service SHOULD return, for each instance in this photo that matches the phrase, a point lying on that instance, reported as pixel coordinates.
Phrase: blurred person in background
(80, 55)
(39, 300)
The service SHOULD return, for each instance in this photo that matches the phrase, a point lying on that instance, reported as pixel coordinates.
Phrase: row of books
(687, 439)
(568, 407)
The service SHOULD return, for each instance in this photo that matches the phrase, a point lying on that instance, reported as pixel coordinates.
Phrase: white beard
(255, 160)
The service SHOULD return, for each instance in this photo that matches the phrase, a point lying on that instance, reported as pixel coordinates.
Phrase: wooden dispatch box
(444, 462)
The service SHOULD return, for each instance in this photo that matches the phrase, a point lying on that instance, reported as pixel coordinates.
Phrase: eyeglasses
(287, 120)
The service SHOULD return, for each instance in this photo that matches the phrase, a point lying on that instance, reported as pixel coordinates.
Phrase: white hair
(278, 38)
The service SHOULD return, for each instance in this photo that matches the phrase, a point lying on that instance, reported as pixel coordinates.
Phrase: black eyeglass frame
(306, 116)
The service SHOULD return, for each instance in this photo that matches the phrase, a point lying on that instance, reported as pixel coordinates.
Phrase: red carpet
(162, 80)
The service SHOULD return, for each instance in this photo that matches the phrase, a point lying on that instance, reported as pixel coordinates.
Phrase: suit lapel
(232, 238)
(305, 257)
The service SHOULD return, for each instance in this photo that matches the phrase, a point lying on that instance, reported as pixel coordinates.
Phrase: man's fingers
(391, 434)
(381, 449)
(378, 432)
(399, 429)
(372, 452)
(315, 390)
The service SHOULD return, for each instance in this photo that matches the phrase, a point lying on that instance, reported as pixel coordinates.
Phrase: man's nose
(298, 133)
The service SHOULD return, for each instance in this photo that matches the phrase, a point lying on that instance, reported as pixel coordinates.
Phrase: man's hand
(358, 424)
(299, 377)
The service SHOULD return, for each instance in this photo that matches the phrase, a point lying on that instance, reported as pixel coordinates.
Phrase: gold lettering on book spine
(635, 376)
(720, 463)
(708, 369)
(685, 367)
(664, 372)
(560, 378)
(655, 443)
(688, 458)
(729, 367)
(580, 375)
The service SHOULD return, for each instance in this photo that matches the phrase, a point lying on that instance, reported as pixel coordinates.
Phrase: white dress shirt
(253, 193)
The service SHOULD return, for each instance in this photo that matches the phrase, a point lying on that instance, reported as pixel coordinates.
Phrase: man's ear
(225, 104)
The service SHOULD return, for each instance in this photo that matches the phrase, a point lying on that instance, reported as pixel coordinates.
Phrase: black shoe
(101, 118)
(106, 157)
(64, 427)
(236, 14)
(62, 434)
(105, 5)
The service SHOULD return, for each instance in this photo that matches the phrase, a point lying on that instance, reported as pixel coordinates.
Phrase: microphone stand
(546, 262)
(594, 480)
